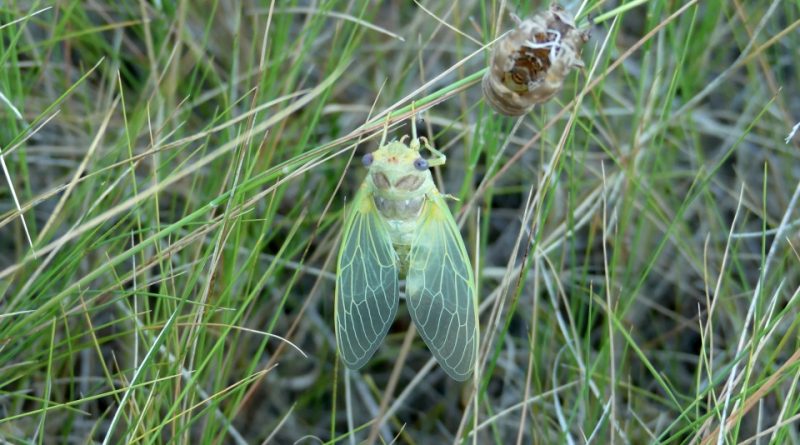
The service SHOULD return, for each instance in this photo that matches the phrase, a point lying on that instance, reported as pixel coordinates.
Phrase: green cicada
(399, 225)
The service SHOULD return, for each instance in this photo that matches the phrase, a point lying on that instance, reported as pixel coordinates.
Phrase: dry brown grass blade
(751, 401)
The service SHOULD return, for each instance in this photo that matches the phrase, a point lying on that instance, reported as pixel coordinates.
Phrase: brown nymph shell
(529, 64)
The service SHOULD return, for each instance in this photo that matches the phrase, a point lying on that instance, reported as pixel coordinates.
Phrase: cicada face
(397, 169)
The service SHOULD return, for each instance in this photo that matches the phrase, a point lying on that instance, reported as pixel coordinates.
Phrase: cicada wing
(440, 290)
(366, 283)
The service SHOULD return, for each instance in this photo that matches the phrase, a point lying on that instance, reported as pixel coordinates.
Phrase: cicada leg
(385, 131)
(438, 158)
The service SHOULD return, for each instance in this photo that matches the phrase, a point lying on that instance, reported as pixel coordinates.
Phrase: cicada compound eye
(421, 164)
(367, 159)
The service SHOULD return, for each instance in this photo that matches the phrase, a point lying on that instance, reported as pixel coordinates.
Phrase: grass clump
(175, 177)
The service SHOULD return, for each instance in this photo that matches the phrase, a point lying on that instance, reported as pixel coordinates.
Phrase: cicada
(400, 226)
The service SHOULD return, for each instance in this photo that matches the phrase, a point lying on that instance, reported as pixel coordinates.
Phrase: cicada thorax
(400, 182)
(399, 209)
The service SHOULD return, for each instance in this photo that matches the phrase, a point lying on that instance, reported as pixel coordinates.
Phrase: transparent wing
(441, 290)
(366, 283)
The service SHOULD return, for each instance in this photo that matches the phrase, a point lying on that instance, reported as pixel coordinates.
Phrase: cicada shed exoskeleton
(529, 64)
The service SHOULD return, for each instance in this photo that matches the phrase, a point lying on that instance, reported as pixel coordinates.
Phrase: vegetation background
(175, 175)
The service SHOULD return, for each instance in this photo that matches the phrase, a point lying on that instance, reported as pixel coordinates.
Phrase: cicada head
(398, 170)
(529, 64)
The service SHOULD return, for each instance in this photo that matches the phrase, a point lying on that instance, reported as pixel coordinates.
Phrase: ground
(176, 177)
